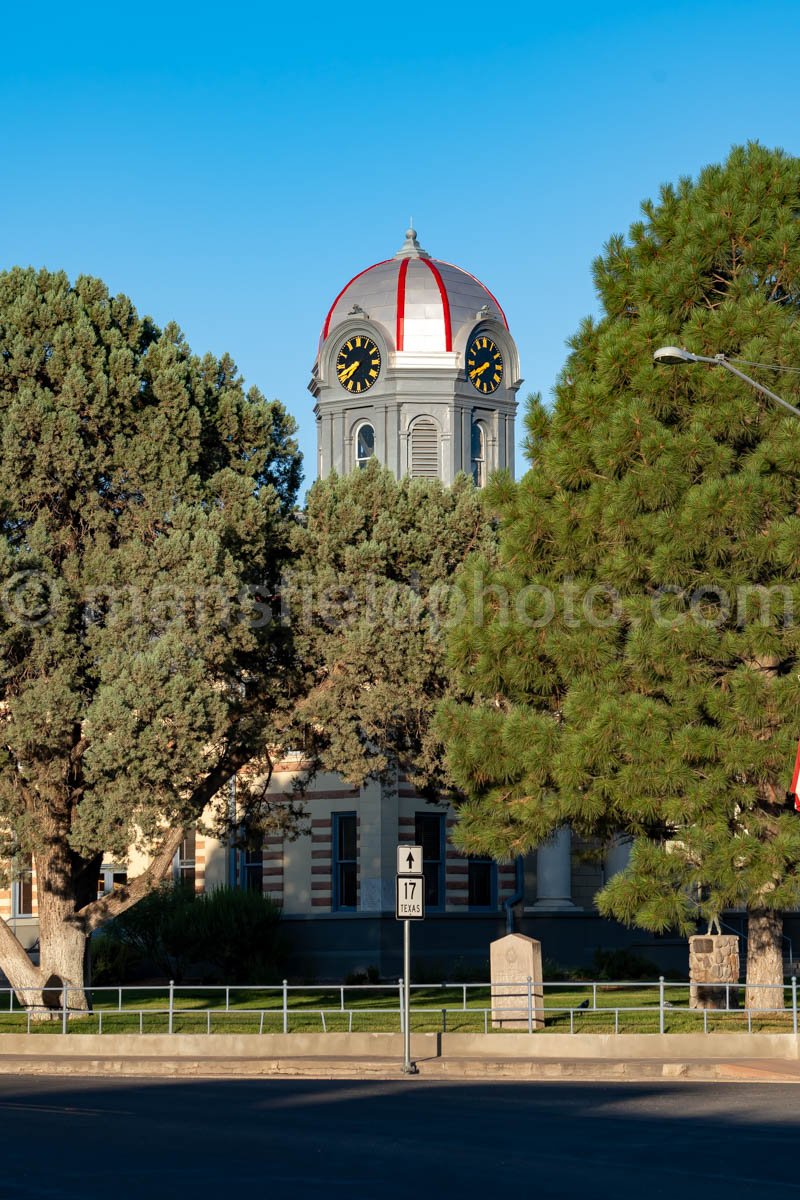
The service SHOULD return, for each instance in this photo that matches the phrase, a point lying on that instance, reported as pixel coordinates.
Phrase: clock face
(484, 364)
(358, 363)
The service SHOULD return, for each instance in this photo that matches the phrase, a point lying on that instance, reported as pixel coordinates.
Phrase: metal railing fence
(576, 1007)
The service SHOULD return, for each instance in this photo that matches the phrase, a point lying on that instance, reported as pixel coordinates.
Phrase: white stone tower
(416, 365)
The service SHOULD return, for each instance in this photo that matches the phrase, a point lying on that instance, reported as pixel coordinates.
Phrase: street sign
(410, 904)
(409, 860)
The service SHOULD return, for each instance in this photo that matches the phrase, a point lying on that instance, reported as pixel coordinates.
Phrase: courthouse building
(417, 365)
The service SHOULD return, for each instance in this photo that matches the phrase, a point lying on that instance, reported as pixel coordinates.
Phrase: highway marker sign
(410, 904)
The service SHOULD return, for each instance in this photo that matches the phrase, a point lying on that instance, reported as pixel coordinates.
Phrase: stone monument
(713, 963)
(515, 959)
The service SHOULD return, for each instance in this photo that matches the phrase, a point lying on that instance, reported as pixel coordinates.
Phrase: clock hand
(350, 371)
(478, 370)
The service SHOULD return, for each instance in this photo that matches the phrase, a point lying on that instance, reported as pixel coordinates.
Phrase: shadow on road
(297, 1139)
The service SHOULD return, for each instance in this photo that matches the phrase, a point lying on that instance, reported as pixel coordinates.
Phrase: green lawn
(204, 1010)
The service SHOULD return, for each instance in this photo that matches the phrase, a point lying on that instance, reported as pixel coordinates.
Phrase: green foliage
(622, 965)
(370, 975)
(237, 932)
(644, 675)
(113, 962)
(369, 597)
(155, 932)
(144, 502)
(232, 934)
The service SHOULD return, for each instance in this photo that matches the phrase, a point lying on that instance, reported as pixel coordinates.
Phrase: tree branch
(16, 964)
(97, 912)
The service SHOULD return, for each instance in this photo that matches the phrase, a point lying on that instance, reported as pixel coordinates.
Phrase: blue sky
(231, 166)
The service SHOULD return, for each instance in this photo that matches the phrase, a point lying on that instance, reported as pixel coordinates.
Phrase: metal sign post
(409, 906)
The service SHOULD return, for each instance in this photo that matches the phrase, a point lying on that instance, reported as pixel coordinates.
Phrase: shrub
(231, 934)
(112, 961)
(623, 965)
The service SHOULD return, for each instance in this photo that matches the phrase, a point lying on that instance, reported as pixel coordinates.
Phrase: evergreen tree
(144, 501)
(368, 600)
(643, 675)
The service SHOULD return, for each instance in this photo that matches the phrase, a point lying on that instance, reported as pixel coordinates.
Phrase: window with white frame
(365, 445)
(185, 861)
(478, 454)
(251, 866)
(22, 888)
(110, 879)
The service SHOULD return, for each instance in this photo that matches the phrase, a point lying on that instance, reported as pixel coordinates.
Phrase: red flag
(796, 781)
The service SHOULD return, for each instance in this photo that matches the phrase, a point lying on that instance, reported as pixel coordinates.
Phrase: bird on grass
(584, 1003)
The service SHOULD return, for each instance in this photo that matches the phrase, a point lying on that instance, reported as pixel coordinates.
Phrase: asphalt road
(410, 1139)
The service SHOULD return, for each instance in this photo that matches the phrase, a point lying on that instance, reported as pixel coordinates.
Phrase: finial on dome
(411, 247)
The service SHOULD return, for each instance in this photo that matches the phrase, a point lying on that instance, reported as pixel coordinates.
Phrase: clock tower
(416, 366)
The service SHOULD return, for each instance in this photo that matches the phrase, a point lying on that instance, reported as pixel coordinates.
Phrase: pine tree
(643, 675)
(144, 501)
(368, 599)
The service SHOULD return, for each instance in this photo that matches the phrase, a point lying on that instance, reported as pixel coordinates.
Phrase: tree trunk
(65, 883)
(63, 955)
(764, 960)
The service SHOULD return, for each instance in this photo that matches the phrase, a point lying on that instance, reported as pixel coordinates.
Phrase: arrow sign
(409, 860)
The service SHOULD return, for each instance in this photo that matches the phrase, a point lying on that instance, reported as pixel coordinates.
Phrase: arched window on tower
(365, 445)
(424, 458)
(478, 454)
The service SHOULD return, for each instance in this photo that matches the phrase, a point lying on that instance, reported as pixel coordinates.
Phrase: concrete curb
(510, 1056)
(441, 1069)
(560, 1047)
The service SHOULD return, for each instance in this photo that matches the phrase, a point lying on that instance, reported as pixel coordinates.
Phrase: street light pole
(676, 356)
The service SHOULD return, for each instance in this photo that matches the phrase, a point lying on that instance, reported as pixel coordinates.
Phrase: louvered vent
(424, 449)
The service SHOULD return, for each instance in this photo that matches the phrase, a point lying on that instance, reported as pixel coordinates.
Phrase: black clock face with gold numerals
(358, 363)
(484, 364)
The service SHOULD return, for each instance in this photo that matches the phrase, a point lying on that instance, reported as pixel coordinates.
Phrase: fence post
(285, 1006)
(594, 997)
(402, 1007)
(530, 1005)
(794, 1004)
(661, 1004)
(64, 1008)
(171, 1005)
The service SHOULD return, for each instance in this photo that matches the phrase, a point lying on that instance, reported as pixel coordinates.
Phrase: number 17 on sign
(410, 898)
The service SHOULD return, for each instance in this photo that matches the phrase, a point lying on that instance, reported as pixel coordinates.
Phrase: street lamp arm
(723, 362)
(673, 356)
